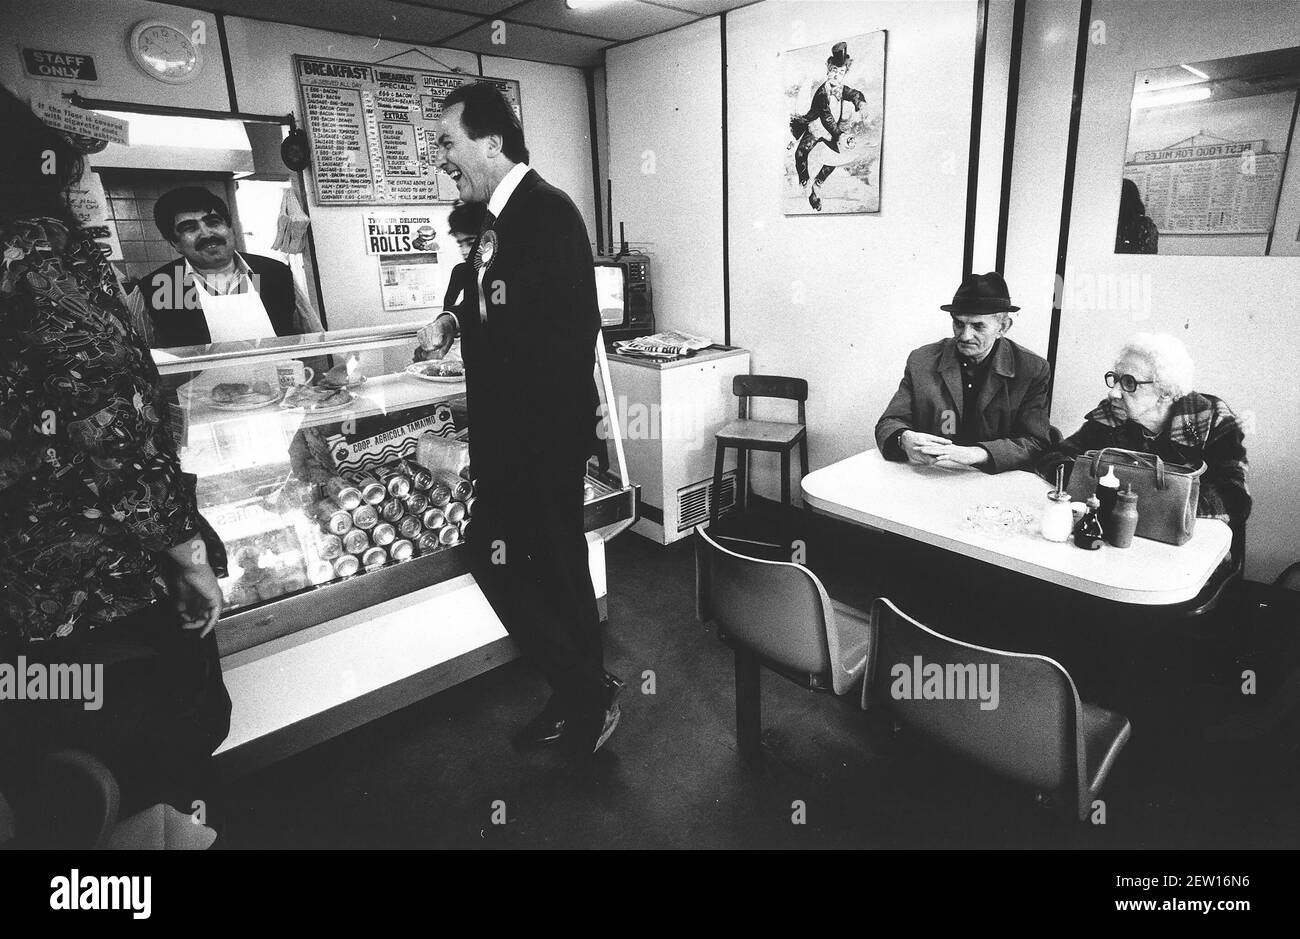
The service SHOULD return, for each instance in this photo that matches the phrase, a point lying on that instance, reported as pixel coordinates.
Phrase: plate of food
(441, 370)
(340, 376)
(316, 399)
(241, 396)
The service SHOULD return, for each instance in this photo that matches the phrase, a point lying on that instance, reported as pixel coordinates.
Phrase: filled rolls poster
(373, 129)
(834, 125)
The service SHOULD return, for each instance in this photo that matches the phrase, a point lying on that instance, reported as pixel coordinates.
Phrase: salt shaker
(1058, 520)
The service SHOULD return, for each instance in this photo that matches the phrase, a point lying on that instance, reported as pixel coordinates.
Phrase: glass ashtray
(998, 521)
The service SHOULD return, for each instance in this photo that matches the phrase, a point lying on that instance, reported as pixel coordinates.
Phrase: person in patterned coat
(103, 558)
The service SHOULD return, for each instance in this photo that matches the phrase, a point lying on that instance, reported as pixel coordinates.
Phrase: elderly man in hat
(977, 399)
(834, 105)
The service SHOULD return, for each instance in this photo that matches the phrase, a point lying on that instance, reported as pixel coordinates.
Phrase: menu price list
(374, 128)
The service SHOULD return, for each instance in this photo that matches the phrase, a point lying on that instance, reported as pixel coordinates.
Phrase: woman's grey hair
(1171, 365)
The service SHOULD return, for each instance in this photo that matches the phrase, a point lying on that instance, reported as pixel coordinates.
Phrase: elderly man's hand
(953, 453)
(436, 338)
(913, 443)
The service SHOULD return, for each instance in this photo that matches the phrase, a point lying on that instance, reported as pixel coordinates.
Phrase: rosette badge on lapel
(487, 248)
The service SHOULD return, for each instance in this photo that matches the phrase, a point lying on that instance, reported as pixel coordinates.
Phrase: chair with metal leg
(777, 614)
(1015, 714)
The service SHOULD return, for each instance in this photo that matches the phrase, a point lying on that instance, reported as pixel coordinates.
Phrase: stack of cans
(389, 514)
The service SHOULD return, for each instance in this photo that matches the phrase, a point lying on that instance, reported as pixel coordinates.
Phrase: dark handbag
(1167, 492)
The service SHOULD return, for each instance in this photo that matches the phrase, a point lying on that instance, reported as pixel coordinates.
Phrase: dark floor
(434, 774)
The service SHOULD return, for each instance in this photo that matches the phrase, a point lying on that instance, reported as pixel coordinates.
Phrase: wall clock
(165, 52)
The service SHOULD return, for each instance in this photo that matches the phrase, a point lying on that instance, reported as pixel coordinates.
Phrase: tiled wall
(131, 198)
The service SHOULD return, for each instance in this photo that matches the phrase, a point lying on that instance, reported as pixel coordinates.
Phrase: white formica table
(930, 505)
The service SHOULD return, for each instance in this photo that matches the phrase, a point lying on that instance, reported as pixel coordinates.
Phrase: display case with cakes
(340, 486)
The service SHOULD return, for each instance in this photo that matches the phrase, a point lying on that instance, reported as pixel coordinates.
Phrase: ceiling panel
(619, 21)
(537, 30)
(702, 7)
(385, 18)
(479, 7)
(534, 43)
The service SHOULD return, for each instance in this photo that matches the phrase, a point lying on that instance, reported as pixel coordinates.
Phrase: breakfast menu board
(373, 129)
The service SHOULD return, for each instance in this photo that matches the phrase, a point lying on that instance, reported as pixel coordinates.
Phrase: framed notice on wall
(372, 129)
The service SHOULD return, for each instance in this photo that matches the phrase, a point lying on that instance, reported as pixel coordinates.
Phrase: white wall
(556, 127)
(1038, 165)
(841, 300)
(997, 68)
(665, 156)
(554, 104)
(838, 300)
(102, 29)
(1236, 314)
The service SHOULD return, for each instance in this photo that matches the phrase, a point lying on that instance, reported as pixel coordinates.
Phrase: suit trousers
(528, 554)
(164, 709)
(806, 144)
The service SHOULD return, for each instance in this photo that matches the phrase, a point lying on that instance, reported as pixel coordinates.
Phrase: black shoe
(613, 688)
(545, 729)
(815, 200)
(612, 715)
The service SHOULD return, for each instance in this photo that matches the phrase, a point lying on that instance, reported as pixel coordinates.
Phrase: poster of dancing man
(836, 110)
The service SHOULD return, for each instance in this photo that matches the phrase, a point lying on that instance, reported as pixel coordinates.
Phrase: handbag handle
(1136, 460)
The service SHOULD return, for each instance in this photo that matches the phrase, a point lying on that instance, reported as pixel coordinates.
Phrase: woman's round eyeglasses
(1126, 382)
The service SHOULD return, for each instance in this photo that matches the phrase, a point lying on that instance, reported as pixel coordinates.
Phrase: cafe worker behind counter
(976, 399)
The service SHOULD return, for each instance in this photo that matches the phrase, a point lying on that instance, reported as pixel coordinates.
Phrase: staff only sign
(59, 65)
(388, 233)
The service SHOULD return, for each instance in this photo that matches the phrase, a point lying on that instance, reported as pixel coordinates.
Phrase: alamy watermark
(931, 681)
(79, 891)
(59, 681)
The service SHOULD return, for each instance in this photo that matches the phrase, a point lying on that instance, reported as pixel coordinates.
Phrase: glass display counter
(333, 472)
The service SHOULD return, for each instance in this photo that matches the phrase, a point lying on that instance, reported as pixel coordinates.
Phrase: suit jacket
(172, 302)
(820, 109)
(529, 368)
(1013, 424)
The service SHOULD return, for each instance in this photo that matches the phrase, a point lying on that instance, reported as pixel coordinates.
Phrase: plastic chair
(79, 799)
(777, 614)
(1289, 579)
(745, 435)
(1039, 733)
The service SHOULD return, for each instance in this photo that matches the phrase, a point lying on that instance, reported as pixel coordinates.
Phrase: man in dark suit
(528, 325)
(977, 399)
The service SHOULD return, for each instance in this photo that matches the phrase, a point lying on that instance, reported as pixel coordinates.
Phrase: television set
(624, 295)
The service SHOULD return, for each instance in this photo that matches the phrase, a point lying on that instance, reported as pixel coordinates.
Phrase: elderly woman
(1152, 408)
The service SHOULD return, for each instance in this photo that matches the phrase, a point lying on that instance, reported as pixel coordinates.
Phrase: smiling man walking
(528, 324)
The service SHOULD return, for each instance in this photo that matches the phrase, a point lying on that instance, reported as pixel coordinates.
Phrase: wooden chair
(745, 435)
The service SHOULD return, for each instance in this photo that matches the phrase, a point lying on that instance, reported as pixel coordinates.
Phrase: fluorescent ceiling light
(198, 133)
(1195, 71)
(1162, 99)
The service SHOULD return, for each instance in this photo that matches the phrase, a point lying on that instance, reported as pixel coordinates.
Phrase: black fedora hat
(981, 293)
